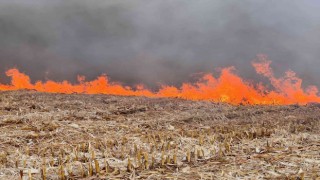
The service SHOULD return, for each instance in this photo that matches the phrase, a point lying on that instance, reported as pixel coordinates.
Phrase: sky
(160, 41)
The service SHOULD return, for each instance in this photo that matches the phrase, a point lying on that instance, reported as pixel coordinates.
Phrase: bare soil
(58, 136)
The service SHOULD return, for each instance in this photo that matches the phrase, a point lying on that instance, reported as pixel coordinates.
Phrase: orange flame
(228, 87)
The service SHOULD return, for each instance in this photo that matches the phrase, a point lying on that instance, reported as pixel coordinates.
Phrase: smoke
(159, 41)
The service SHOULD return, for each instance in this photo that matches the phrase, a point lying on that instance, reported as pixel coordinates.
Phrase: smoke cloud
(159, 41)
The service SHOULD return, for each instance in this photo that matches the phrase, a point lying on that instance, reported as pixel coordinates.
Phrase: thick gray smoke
(160, 41)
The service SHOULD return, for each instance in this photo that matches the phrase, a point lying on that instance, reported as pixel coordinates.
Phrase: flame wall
(158, 42)
(228, 87)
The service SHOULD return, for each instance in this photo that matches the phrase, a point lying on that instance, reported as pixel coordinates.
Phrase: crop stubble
(58, 136)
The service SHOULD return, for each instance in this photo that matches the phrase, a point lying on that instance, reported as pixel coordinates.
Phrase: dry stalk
(97, 167)
(188, 156)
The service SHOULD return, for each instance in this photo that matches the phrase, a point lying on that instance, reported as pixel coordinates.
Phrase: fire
(228, 87)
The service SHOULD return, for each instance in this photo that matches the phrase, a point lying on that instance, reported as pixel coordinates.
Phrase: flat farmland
(59, 136)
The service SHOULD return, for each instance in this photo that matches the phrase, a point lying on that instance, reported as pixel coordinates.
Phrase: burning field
(159, 89)
(229, 87)
(215, 128)
(61, 136)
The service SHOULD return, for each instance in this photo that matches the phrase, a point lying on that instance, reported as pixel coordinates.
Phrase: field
(58, 136)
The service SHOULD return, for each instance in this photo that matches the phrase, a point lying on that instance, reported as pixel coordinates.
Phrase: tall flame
(229, 87)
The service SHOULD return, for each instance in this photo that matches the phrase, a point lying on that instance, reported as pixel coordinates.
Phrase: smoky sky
(159, 41)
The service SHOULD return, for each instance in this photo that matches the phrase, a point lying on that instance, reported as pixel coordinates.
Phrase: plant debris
(59, 136)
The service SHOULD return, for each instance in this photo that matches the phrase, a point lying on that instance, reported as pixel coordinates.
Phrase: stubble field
(58, 136)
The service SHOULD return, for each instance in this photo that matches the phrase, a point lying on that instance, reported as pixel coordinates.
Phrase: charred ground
(58, 136)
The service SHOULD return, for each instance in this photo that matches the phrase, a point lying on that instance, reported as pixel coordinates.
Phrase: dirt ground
(57, 136)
